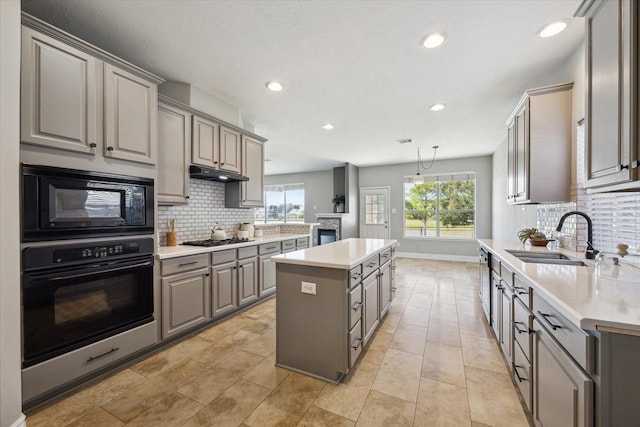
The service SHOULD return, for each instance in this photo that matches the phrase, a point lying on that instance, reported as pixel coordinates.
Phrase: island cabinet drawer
(506, 274)
(288, 244)
(355, 276)
(269, 248)
(576, 342)
(523, 373)
(247, 252)
(185, 263)
(222, 257)
(355, 305)
(355, 343)
(370, 265)
(522, 290)
(302, 242)
(522, 324)
(385, 256)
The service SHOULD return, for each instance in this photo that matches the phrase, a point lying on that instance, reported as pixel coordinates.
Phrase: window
(282, 203)
(442, 207)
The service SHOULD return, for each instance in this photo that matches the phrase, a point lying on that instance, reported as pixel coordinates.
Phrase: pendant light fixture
(417, 178)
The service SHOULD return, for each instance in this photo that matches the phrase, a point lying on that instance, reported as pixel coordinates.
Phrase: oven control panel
(93, 252)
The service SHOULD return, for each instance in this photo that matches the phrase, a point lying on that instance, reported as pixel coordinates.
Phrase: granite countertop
(166, 252)
(343, 254)
(590, 300)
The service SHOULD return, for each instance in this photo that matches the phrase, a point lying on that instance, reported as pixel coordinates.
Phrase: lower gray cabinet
(371, 311)
(224, 288)
(506, 321)
(185, 301)
(267, 275)
(247, 280)
(384, 278)
(562, 393)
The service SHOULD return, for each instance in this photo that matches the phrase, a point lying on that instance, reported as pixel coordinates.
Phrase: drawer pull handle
(356, 306)
(356, 276)
(106, 353)
(271, 248)
(373, 264)
(184, 264)
(548, 322)
(518, 330)
(357, 343)
(520, 290)
(515, 371)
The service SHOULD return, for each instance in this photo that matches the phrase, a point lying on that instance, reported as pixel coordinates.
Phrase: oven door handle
(110, 270)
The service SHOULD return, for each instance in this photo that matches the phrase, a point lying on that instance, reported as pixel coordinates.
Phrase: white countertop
(343, 254)
(587, 299)
(166, 252)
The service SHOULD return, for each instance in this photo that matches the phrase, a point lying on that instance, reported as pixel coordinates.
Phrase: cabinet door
(611, 81)
(130, 113)
(506, 327)
(496, 304)
(60, 95)
(224, 288)
(267, 275)
(563, 393)
(185, 301)
(230, 150)
(252, 167)
(511, 162)
(384, 279)
(521, 152)
(206, 142)
(247, 280)
(371, 307)
(174, 154)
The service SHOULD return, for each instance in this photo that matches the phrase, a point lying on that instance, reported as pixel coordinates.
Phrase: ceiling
(356, 64)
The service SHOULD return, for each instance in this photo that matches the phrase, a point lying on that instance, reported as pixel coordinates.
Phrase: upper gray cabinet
(76, 97)
(230, 150)
(539, 146)
(248, 194)
(612, 152)
(216, 146)
(174, 154)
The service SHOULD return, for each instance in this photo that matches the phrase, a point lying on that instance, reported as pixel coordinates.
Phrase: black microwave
(60, 203)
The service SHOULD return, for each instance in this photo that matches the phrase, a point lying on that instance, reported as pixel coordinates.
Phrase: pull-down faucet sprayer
(590, 252)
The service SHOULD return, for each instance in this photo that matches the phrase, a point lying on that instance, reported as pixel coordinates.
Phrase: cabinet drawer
(288, 244)
(506, 275)
(302, 242)
(522, 290)
(269, 248)
(355, 305)
(355, 276)
(355, 343)
(522, 319)
(575, 341)
(496, 264)
(523, 373)
(384, 256)
(185, 263)
(369, 265)
(248, 252)
(222, 257)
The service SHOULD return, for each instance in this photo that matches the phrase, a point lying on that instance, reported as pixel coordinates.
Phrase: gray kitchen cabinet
(302, 243)
(267, 267)
(230, 150)
(612, 148)
(224, 285)
(496, 303)
(563, 393)
(130, 116)
(185, 293)
(247, 280)
(174, 154)
(539, 146)
(370, 312)
(61, 95)
(206, 142)
(248, 194)
(506, 321)
(384, 280)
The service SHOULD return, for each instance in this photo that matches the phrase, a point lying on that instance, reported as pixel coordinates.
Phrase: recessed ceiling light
(437, 107)
(552, 28)
(433, 40)
(327, 126)
(274, 86)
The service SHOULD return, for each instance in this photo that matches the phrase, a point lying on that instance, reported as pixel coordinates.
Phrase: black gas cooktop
(210, 242)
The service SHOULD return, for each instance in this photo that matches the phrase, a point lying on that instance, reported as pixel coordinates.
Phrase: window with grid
(374, 209)
(282, 203)
(441, 207)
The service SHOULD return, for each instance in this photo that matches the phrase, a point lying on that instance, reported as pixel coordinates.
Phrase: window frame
(408, 180)
(283, 188)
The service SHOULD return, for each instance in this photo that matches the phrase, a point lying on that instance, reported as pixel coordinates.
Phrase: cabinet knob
(93, 145)
(109, 148)
(222, 164)
(635, 164)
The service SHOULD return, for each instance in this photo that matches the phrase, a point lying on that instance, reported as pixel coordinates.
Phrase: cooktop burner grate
(210, 242)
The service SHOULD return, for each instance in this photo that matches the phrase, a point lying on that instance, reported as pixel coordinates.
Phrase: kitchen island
(329, 301)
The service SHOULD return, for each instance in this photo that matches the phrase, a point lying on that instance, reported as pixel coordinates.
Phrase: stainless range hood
(211, 174)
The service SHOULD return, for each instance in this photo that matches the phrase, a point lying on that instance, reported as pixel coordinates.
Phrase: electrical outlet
(308, 288)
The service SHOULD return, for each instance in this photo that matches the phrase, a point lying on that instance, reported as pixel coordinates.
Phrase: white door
(374, 213)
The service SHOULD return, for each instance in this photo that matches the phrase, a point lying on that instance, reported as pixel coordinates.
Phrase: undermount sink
(547, 258)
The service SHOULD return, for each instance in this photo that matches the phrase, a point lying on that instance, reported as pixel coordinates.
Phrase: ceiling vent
(405, 141)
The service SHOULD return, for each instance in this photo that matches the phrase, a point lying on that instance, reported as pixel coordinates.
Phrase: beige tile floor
(432, 362)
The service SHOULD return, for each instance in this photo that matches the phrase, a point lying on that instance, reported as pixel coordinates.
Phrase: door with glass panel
(374, 213)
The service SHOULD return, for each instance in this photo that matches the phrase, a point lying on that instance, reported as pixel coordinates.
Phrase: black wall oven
(77, 294)
(62, 203)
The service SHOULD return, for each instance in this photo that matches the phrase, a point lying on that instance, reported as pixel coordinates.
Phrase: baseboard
(438, 257)
(20, 422)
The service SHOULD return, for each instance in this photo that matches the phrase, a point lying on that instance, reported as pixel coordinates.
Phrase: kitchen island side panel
(310, 329)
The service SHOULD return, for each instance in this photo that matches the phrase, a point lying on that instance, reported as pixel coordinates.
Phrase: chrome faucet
(590, 252)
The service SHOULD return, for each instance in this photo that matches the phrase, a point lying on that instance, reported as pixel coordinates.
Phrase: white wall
(10, 346)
